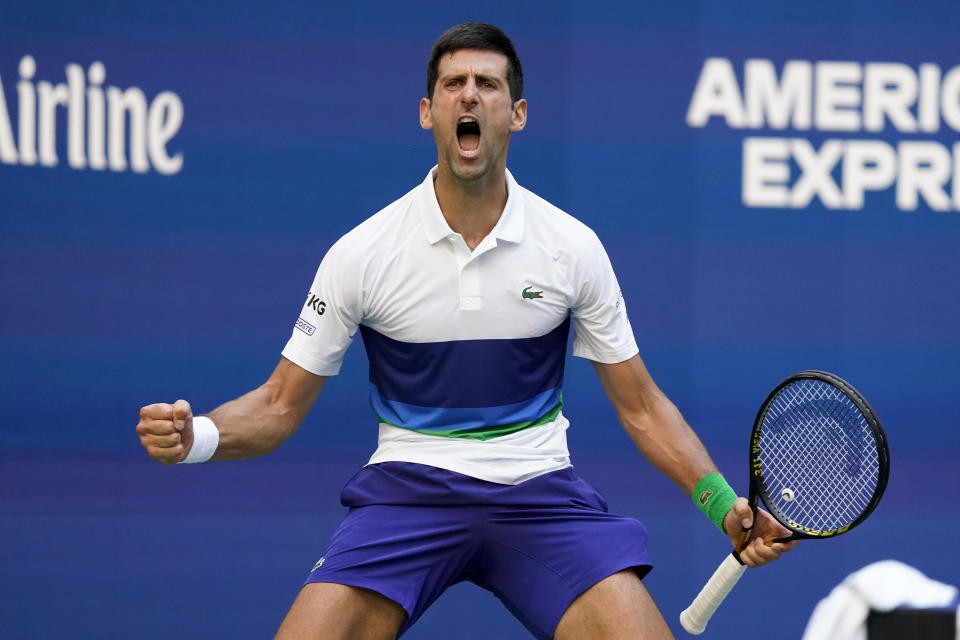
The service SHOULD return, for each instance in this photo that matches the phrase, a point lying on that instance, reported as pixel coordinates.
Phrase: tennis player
(464, 291)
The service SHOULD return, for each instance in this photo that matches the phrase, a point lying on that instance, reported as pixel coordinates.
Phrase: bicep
(291, 387)
(628, 385)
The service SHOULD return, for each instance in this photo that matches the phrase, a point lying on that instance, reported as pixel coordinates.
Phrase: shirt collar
(508, 228)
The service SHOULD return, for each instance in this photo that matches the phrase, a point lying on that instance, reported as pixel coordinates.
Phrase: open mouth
(468, 135)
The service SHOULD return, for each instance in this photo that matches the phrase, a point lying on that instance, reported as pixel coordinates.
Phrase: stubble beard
(475, 174)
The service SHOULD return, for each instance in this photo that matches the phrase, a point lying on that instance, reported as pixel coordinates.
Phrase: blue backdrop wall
(778, 189)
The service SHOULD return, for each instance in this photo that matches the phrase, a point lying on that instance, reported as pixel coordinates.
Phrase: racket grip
(695, 617)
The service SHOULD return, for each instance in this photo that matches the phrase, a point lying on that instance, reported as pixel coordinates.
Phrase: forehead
(473, 62)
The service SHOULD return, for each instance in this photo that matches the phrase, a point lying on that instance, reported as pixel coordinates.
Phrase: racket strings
(816, 443)
(833, 467)
(834, 464)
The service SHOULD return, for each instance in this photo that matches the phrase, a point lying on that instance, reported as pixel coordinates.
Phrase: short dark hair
(476, 35)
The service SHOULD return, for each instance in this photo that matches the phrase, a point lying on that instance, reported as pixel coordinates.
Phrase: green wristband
(714, 497)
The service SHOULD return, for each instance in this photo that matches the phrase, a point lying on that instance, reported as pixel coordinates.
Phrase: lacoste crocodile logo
(531, 295)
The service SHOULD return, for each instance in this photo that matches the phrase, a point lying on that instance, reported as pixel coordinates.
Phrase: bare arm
(658, 429)
(254, 424)
(258, 422)
(654, 424)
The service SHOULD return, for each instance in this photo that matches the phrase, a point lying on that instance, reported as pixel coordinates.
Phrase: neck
(471, 207)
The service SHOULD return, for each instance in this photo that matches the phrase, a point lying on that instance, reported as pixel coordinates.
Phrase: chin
(468, 169)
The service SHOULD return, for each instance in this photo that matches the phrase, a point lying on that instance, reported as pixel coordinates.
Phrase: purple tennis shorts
(414, 530)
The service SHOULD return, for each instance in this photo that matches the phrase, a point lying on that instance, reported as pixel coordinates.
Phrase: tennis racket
(818, 460)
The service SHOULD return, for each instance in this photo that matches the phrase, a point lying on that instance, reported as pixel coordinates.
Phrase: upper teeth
(467, 119)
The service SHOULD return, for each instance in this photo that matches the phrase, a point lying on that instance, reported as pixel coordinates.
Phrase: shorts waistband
(407, 483)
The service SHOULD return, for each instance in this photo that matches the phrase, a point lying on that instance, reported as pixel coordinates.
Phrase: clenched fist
(166, 431)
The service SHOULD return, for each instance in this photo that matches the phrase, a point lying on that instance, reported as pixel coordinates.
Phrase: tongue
(469, 141)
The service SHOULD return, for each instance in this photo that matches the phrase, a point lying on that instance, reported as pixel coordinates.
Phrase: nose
(469, 95)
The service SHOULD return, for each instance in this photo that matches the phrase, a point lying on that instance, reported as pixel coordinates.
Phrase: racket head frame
(758, 488)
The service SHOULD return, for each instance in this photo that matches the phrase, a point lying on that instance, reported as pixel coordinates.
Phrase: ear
(519, 120)
(426, 120)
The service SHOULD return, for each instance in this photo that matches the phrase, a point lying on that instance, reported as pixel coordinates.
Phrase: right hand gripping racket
(818, 460)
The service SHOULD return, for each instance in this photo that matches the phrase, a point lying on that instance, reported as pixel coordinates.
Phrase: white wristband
(206, 437)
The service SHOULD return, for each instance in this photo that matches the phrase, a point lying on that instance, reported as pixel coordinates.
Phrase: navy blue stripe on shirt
(466, 373)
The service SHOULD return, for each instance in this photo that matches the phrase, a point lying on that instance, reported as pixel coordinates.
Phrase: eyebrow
(460, 75)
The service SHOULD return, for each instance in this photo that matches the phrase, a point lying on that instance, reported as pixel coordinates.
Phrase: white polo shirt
(466, 348)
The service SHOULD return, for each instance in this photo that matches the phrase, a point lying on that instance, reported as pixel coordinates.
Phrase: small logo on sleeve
(531, 295)
(305, 326)
(319, 564)
(315, 303)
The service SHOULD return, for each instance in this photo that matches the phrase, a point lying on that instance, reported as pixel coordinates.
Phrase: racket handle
(695, 617)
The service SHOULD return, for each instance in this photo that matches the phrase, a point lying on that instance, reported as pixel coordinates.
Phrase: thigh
(538, 560)
(338, 612)
(409, 555)
(618, 607)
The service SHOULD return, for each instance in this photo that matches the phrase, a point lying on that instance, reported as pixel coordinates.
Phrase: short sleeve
(330, 315)
(602, 331)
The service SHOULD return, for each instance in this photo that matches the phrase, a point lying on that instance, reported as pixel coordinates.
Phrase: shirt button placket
(470, 298)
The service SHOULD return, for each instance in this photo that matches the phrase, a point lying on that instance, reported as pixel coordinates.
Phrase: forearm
(654, 423)
(256, 423)
(667, 441)
(252, 425)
